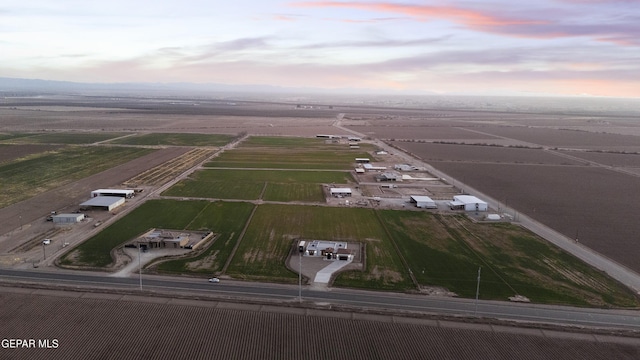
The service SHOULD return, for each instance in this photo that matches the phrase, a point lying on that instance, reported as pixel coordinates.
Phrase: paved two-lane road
(559, 315)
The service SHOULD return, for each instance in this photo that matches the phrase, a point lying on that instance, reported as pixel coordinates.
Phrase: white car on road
(214, 280)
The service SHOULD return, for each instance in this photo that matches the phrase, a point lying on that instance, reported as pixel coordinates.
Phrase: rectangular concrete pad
(101, 296)
(618, 340)
(146, 299)
(372, 317)
(415, 321)
(238, 306)
(193, 302)
(464, 325)
(59, 293)
(283, 310)
(517, 330)
(568, 335)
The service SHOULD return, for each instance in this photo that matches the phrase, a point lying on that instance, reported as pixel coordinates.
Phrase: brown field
(478, 153)
(160, 328)
(169, 169)
(610, 159)
(12, 152)
(421, 132)
(567, 138)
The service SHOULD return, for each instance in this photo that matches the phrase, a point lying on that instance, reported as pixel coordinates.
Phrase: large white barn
(468, 203)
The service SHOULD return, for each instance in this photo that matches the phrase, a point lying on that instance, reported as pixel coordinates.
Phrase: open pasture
(591, 202)
(71, 138)
(268, 241)
(483, 154)
(27, 177)
(176, 139)
(248, 184)
(446, 251)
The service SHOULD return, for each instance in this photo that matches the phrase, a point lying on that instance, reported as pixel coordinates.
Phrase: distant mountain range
(37, 85)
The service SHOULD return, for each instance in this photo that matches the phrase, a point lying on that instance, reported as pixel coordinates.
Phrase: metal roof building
(424, 202)
(104, 202)
(67, 218)
(337, 192)
(468, 203)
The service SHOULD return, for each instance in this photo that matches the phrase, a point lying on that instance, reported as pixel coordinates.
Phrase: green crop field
(290, 153)
(268, 241)
(35, 174)
(63, 138)
(226, 219)
(248, 184)
(294, 192)
(447, 251)
(166, 214)
(176, 139)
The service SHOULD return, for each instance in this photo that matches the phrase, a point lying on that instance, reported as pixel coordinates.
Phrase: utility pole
(44, 252)
(477, 291)
(139, 266)
(299, 276)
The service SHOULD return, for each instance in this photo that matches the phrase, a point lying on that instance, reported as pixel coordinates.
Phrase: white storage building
(67, 218)
(127, 193)
(104, 202)
(340, 192)
(468, 203)
(424, 202)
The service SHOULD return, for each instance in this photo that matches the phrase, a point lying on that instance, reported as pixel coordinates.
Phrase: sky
(496, 47)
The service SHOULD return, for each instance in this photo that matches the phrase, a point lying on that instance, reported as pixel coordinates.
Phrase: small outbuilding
(423, 202)
(67, 218)
(468, 203)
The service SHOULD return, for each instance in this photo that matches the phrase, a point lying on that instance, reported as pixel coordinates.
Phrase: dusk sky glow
(561, 47)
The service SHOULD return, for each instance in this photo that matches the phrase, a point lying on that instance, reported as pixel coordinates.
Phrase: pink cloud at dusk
(543, 23)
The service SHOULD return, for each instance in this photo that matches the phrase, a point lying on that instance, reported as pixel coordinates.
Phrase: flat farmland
(290, 153)
(175, 120)
(607, 158)
(446, 251)
(286, 192)
(64, 138)
(199, 329)
(13, 152)
(430, 152)
(166, 214)
(268, 241)
(248, 184)
(566, 138)
(593, 202)
(25, 178)
(226, 219)
(424, 132)
(175, 139)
